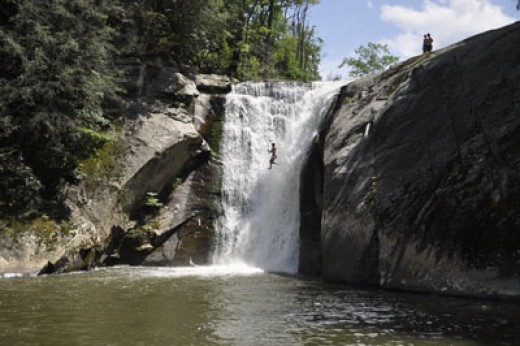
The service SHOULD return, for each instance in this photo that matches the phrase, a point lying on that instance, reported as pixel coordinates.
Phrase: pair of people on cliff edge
(427, 44)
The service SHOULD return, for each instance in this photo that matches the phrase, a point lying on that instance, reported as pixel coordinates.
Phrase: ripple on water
(217, 306)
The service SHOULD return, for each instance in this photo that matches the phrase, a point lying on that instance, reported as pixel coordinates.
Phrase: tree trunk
(270, 19)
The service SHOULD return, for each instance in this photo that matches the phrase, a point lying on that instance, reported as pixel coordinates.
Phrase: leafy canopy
(375, 57)
(55, 80)
(63, 65)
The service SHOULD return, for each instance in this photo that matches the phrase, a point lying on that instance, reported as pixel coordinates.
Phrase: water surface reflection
(162, 306)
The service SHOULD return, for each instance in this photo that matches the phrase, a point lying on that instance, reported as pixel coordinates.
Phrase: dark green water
(202, 306)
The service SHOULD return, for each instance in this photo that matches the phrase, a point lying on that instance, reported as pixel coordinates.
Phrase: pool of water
(237, 306)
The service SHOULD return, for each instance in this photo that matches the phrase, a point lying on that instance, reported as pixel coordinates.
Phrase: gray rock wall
(422, 173)
(188, 218)
(311, 205)
(164, 147)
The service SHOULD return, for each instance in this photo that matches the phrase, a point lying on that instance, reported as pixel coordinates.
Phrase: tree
(56, 73)
(375, 57)
(60, 87)
(272, 39)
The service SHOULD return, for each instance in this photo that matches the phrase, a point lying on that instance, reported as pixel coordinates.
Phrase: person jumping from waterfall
(272, 151)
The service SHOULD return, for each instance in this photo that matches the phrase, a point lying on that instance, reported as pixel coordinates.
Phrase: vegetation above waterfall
(56, 80)
(62, 85)
(372, 58)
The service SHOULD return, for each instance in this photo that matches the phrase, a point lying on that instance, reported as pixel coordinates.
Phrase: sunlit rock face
(422, 173)
(162, 149)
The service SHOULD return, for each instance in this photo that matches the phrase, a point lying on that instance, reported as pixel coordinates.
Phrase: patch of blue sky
(344, 25)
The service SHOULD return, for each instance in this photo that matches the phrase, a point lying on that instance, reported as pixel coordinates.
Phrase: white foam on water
(12, 275)
(237, 269)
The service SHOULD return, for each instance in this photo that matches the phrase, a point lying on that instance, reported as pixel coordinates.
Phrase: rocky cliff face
(162, 208)
(422, 173)
(147, 197)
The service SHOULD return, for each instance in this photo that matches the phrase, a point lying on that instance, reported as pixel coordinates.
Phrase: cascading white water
(260, 221)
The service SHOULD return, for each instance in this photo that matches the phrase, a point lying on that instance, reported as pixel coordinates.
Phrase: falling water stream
(239, 301)
(260, 218)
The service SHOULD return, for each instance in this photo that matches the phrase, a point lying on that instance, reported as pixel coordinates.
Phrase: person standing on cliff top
(272, 151)
(427, 43)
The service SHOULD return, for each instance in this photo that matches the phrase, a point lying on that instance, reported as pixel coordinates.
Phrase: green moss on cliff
(176, 183)
(43, 228)
(104, 165)
(217, 131)
(147, 227)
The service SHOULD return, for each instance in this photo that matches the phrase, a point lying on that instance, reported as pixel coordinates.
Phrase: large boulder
(159, 151)
(28, 245)
(185, 226)
(107, 207)
(172, 153)
(213, 84)
(421, 176)
(161, 145)
(168, 83)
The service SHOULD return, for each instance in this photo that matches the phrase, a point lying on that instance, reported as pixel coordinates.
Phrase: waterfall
(260, 222)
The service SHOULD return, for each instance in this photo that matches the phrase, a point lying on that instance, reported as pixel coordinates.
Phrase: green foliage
(90, 140)
(280, 43)
(147, 227)
(217, 131)
(42, 227)
(152, 200)
(375, 57)
(19, 188)
(53, 88)
(176, 183)
(248, 39)
(59, 86)
(68, 228)
(104, 164)
(370, 197)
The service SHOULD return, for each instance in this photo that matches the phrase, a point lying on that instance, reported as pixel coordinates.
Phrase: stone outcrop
(421, 173)
(27, 252)
(170, 82)
(188, 218)
(163, 150)
(161, 145)
(213, 84)
(173, 153)
(158, 148)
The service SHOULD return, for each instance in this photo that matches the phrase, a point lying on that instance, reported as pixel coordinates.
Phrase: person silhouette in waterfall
(272, 151)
